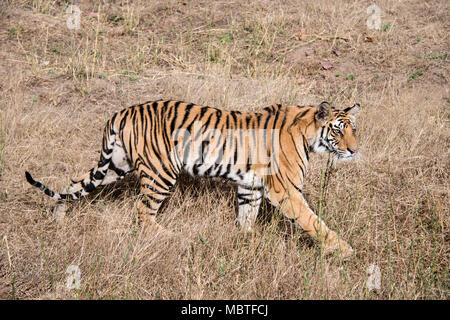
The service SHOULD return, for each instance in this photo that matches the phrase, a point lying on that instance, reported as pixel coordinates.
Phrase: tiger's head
(336, 131)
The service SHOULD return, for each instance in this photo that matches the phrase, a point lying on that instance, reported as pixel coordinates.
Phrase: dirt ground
(63, 73)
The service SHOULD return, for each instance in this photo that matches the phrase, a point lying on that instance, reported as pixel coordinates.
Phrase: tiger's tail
(47, 191)
(89, 181)
(79, 188)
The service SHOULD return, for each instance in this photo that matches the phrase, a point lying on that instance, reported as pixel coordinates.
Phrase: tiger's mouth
(344, 155)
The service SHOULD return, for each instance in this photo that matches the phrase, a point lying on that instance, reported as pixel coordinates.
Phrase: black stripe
(244, 201)
(163, 180)
(301, 115)
(203, 111)
(124, 119)
(152, 198)
(175, 117)
(148, 205)
(119, 171)
(187, 112)
(153, 189)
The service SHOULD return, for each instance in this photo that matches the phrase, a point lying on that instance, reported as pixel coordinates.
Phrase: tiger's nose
(352, 150)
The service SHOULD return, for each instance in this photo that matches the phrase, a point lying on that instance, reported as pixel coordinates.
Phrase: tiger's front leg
(295, 207)
(249, 201)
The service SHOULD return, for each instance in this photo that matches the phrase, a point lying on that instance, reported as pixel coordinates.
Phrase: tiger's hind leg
(119, 166)
(154, 188)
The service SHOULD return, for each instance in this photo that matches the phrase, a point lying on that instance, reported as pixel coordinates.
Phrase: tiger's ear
(323, 112)
(353, 109)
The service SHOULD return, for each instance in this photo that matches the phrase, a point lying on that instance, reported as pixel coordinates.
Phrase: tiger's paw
(245, 227)
(149, 224)
(341, 249)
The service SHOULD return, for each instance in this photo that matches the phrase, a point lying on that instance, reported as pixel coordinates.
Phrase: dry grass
(58, 87)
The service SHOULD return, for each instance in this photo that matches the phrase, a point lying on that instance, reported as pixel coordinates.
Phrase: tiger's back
(201, 140)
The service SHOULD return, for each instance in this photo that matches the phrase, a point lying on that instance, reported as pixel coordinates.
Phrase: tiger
(265, 153)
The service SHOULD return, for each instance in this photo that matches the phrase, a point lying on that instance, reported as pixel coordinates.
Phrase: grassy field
(58, 86)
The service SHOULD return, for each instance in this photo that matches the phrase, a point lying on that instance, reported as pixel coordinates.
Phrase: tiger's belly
(242, 177)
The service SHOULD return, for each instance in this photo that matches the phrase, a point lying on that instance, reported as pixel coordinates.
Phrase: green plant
(386, 27)
(414, 75)
(225, 38)
(438, 56)
(55, 49)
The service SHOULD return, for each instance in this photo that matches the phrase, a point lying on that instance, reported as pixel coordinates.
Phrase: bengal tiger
(265, 153)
